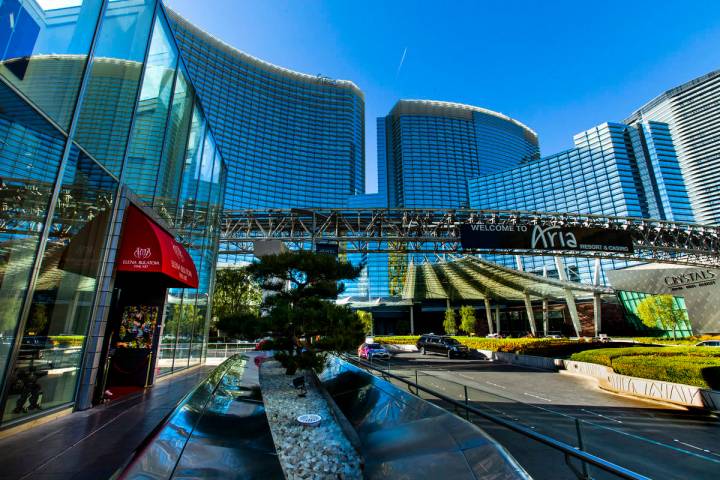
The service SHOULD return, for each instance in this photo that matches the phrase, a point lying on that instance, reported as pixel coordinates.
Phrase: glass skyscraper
(614, 169)
(692, 114)
(289, 139)
(431, 149)
(97, 118)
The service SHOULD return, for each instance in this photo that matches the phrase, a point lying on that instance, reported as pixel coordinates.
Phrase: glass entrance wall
(90, 105)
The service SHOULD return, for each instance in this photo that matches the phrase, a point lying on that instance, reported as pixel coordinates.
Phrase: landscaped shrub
(67, 340)
(699, 371)
(606, 356)
(527, 346)
(680, 341)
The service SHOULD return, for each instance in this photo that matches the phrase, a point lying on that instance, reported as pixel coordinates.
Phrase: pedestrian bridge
(504, 232)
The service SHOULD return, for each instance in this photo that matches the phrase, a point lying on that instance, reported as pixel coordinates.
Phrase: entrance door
(133, 332)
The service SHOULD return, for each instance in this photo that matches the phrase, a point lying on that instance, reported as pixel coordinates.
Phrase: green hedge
(680, 341)
(606, 356)
(699, 371)
(699, 366)
(67, 340)
(525, 346)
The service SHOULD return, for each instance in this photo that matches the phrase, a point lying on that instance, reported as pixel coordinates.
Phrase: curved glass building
(433, 148)
(692, 114)
(289, 139)
(98, 119)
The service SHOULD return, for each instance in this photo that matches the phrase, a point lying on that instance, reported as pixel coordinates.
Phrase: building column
(519, 263)
(597, 305)
(597, 299)
(488, 315)
(497, 318)
(569, 298)
(412, 318)
(530, 314)
(546, 317)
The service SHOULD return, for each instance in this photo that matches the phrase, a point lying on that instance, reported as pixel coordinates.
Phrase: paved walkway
(93, 444)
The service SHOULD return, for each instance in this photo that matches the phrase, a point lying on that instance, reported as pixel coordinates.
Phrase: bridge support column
(597, 299)
(412, 318)
(497, 318)
(546, 317)
(530, 314)
(488, 315)
(569, 298)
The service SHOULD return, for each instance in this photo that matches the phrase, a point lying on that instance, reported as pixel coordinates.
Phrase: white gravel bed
(305, 452)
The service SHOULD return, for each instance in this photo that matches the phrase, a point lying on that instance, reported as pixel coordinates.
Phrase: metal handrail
(567, 449)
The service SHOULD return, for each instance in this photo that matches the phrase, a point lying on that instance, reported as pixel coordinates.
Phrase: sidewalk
(93, 444)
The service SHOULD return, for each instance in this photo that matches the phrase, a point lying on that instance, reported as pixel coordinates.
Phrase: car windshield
(451, 341)
(374, 345)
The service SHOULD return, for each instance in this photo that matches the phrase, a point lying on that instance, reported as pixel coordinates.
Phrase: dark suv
(442, 344)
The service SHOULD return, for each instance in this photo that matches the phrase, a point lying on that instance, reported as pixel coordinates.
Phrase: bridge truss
(437, 231)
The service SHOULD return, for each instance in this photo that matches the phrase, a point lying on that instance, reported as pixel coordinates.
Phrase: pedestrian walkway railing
(227, 350)
(464, 406)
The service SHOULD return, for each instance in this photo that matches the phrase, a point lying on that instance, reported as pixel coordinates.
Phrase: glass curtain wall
(58, 193)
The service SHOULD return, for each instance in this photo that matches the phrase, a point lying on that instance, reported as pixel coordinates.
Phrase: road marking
(495, 385)
(696, 447)
(606, 427)
(601, 415)
(537, 396)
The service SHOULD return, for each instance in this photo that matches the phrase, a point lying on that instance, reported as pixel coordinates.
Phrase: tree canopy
(236, 303)
(299, 307)
(661, 309)
(467, 319)
(450, 322)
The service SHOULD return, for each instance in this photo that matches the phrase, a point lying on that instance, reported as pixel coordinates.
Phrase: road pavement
(656, 440)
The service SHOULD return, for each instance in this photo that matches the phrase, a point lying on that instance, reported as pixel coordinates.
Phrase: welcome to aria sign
(544, 237)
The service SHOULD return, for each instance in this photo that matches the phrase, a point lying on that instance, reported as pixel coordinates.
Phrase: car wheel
(422, 350)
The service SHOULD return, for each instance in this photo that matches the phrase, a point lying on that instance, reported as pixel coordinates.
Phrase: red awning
(146, 247)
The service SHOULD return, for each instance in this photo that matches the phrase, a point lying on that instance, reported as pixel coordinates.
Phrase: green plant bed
(689, 341)
(699, 366)
(699, 371)
(544, 347)
(67, 340)
(606, 356)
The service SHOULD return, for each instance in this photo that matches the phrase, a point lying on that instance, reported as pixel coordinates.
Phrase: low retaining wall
(676, 393)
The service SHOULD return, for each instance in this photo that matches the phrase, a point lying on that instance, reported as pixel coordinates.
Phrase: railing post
(226, 352)
(585, 468)
(467, 411)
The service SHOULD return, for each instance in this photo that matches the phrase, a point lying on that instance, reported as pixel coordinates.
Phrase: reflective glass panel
(176, 140)
(30, 153)
(109, 101)
(46, 371)
(166, 351)
(44, 47)
(151, 116)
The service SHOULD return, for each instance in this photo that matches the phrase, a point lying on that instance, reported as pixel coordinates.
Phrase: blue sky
(560, 67)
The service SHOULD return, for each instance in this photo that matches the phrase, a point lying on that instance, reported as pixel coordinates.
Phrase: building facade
(614, 169)
(692, 114)
(99, 122)
(289, 139)
(431, 149)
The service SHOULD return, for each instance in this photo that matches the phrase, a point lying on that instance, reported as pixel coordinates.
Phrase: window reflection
(30, 153)
(44, 46)
(46, 371)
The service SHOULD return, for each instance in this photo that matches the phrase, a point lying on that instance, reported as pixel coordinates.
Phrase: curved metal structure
(437, 231)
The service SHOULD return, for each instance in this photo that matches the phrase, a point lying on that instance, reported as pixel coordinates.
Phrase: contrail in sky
(402, 60)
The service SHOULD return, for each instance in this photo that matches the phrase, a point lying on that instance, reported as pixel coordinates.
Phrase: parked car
(441, 344)
(603, 338)
(369, 351)
(708, 343)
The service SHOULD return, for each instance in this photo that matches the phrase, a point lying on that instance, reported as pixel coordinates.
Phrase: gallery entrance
(149, 261)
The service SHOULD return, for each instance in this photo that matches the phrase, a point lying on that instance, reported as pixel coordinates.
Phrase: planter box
(675, 393)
